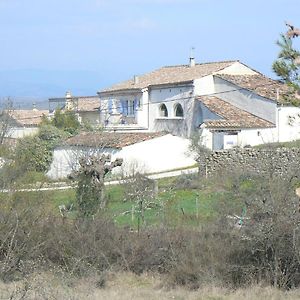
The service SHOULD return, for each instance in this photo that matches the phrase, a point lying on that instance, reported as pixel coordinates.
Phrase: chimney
(68, 94)
(192, 58)
(135, 79)
(69, 102)
(34, 106)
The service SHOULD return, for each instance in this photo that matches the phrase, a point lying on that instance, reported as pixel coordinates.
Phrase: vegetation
(66, 121)
(233, 232)
(90, 183)
(287, 66)
(292, 144)
(34, 153)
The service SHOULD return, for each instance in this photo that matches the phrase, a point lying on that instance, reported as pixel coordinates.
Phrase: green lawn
(172, 206)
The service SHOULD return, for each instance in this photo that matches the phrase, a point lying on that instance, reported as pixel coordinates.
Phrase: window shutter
(125, 112)
(119, 106)
(135, 105)
(123, 107)
(110, 105)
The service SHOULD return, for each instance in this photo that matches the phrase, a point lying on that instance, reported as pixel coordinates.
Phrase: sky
(50, 46)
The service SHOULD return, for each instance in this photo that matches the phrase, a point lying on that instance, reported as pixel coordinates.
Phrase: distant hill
(27, 86)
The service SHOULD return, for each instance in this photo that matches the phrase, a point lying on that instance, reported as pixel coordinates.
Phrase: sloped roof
(28, 117)
(260, 84)
(171, 74)
(233, 117)
(116, 140)
(91, 103)
(82, 103)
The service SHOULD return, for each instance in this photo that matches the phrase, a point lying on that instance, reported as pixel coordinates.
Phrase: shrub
(189, 181)
(33, 154)
(66, 121)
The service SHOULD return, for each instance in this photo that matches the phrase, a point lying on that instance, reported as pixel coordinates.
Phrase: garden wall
(278, 161)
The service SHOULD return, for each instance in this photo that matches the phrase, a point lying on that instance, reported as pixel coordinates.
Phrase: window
(163, 111)
(178, 110)
(128, 107)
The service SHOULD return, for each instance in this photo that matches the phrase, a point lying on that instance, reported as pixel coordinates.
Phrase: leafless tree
(6, 119)
(141, 191)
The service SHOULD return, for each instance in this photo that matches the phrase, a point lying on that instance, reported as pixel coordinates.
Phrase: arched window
(163, 111)
(178, 110)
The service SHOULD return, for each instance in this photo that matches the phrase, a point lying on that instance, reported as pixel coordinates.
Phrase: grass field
(173, 205)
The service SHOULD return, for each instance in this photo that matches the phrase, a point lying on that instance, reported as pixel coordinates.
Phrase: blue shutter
(125, 111)
(119, 107)
(135, 105)
(110, 106)
(123, 107)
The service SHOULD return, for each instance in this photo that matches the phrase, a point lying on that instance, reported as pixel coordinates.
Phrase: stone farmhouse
(227, 102)
(149, 119)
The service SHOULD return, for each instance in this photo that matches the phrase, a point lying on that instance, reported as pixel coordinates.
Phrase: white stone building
(228, 103)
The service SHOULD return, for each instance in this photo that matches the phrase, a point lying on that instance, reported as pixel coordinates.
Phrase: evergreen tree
(287, 66)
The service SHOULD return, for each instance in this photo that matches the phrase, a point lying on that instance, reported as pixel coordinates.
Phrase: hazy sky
(50, 46)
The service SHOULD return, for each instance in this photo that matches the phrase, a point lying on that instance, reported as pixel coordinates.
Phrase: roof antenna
(192, 58)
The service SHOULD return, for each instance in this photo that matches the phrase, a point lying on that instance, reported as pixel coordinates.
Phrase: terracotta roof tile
(110, 139)
(31, 117)
(81, 103)
(88, 103)
(233, 117)
(172, 74)
(260, 84)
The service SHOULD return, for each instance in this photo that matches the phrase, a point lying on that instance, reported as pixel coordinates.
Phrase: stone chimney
(68, 95)
(69, 102)
(192, 58)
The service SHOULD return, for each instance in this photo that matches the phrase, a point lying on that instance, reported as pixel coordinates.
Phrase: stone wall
(278, 161)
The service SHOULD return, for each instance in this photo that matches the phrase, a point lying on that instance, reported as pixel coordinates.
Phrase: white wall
(164, 153)
(237, 69)
(65, 159)
(143, 111)
(244, 137)
(92, 118)
(206, 137)
(157, 155)
(20, 132)
(246, 100)
(170, 96)
(204, 86)
(288, 127)
(254, 137)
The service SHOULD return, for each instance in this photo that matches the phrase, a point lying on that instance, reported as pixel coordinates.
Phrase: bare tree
(141, 191)
(6, 119)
